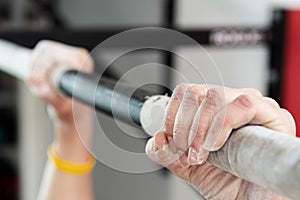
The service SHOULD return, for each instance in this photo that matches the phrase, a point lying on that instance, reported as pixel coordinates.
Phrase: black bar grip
(121, 102)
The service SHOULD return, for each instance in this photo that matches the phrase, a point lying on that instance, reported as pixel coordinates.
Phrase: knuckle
(195, 93)
(180, 89)
(253, 91)
(214, 97)
(83, 52)
(271, 102)
(85, 60)
(89, 66)
(190, 96)
(43, 48)
(178, 92)
(82, 60)
(193, 90)
(244, 101)
(82, 55)
(286, 112)
(289, 119)
(43, 44)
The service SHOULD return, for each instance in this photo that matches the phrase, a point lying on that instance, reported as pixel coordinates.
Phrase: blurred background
(25, 130)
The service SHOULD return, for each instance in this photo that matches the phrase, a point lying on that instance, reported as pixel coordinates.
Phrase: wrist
(67, 166)
(72, 153)
(68, 144)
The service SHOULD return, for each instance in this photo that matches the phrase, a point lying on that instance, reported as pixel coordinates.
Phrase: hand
(198, 120)
(45, 57)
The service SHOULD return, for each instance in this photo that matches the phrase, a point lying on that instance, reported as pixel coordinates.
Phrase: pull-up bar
(257, 154)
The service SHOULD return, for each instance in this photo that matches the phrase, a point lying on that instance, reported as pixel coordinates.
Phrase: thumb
(157, 149)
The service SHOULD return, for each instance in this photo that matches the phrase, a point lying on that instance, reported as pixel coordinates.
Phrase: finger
(39, 88)
(184, 117)
(158, 150)
(233, 115)
(45, 56)
(183, 158)
(74, 57)
(77, 58)
(213, 101)
(250, 91)
(271, 101)
(218, 97)
(172, 108)
(290, 127)
(277, 119)
(243, 110)
(34, 56)
(171, 112)
(39, 66)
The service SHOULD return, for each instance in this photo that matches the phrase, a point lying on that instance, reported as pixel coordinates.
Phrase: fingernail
(193, 156)
(212, 137)
(244, 101)
(164, 153)
(196, 157)
(166, 157)
(163, 156)
(209, 142)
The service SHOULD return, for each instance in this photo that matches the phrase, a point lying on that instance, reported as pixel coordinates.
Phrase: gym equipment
(288, 64)
(281, 38)
(277, 163)
(277, 160)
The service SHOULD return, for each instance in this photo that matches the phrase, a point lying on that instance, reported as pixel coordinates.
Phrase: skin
(46, 56)
(199, 120)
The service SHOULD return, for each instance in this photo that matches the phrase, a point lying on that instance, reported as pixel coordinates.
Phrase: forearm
(59, 185)
(252, 191)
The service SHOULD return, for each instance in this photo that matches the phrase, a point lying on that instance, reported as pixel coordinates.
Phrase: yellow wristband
(69, 167)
